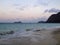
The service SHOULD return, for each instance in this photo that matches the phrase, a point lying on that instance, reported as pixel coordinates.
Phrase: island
(18, 22)
(41, 21)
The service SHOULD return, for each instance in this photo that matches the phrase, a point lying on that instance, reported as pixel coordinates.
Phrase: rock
(54, 18)
(4, 33)
(28, 29)
(11, 32)
(37, 30)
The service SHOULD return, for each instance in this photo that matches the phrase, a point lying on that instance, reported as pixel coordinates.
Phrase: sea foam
(31, 37)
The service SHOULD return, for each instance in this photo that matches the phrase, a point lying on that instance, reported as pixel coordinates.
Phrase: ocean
(23, 26)
(24, 33)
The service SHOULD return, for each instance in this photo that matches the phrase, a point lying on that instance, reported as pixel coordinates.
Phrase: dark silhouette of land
(41, 21)
(54, 18)
(18, 22)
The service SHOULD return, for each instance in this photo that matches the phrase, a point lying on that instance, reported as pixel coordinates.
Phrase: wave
(31, 37)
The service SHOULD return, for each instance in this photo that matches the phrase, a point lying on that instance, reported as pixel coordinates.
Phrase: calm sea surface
(24, 26)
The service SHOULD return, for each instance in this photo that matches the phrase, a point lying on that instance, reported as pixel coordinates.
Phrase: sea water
(23, 26)
(24, 37)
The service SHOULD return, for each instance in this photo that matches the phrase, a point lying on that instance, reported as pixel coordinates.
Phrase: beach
(29, 22)
(35, 37)
(57, 36)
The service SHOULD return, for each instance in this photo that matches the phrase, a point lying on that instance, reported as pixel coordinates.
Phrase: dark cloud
(52, 10)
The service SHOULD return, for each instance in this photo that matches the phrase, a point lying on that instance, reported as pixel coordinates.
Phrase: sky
(27, 10)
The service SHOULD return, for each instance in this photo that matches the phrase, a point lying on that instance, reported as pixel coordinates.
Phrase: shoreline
(35, 37)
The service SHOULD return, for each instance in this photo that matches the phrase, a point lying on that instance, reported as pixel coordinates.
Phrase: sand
(36, 37)
(57, 36)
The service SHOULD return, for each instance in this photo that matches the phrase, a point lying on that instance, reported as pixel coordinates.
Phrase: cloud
(25, 4)
(22, 8)
(30, 3)
(16, 4)
(43, 2)
(52, 10)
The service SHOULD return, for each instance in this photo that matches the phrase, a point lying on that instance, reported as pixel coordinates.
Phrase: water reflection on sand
(35, 37)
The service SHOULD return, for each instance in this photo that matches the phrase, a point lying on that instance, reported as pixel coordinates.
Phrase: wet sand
(36, 37)
(57, 36)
